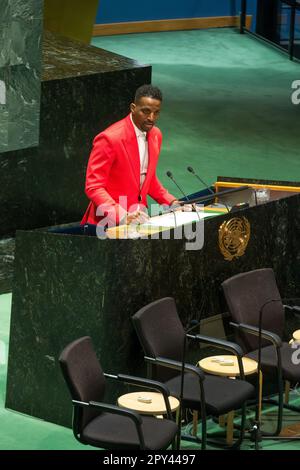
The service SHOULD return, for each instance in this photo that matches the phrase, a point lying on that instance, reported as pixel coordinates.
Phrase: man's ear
(132, 107)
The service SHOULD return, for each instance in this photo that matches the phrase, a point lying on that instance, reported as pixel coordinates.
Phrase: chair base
(288, 406)
(211, 441)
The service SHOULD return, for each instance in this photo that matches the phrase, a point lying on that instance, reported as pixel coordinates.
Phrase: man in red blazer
(121, 170)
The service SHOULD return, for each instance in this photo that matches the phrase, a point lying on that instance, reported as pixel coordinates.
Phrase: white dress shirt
(143, 151)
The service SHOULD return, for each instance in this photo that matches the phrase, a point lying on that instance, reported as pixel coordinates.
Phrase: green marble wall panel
(7, 250)
(3, 108)
(20, 70)
(68, 286)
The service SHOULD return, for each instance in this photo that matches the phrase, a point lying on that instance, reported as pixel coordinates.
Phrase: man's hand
(179, 206)
(175, 205)
(137, 217)
(186, 207)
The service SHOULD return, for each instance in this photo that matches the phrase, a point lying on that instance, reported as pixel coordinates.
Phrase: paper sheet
(168, 220)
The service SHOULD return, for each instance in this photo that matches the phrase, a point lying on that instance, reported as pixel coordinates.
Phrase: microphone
(170, 175)
(191, 170)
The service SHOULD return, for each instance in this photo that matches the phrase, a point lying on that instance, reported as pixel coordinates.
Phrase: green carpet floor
(227, 108)
(227, 111)
(18, 431)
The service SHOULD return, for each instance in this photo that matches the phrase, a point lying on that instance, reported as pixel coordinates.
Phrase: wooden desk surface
(215, 368)
(156, 407)
(296, 335)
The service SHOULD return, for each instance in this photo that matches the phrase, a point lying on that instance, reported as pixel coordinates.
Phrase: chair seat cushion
(290, 368)
(113, 431)
(221, 393)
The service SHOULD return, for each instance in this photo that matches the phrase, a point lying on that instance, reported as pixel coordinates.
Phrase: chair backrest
(83, 375)
(161, 333)
(246, 294)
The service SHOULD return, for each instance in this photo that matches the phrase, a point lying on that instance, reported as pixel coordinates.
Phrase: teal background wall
(114, 11)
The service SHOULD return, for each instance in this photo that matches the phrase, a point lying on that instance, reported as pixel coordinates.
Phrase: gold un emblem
(234, 235)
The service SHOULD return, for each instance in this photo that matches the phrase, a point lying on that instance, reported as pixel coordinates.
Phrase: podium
(68, 285)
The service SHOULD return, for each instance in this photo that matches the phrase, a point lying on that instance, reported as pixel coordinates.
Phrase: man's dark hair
(148, 90)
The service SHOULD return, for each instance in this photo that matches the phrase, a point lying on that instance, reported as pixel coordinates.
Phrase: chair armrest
(110, 409)
(131, 414)
(292, 308)
(254, 330)
(223, 344)
(177, 365)
(152, 385)
(140, 381)
(148, 383)
(219, 343)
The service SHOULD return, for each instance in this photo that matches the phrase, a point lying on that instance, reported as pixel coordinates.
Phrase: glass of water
(262, 195)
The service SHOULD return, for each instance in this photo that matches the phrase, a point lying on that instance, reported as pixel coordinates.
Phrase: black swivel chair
(108, 426)
(162, 337)
(252, 295)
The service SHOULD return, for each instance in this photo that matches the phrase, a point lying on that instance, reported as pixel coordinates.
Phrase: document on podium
(176, 218)
(163, 222)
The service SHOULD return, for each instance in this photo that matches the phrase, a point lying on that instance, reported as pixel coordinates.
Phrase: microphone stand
(170, 175)
(175, 221)
(193, 325)
(191, 170)
(255, 432)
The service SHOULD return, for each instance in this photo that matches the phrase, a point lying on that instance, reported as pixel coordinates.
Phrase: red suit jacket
(114, 171)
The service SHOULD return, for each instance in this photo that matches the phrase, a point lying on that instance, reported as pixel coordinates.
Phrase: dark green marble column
(20, 70)
(84, 89)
